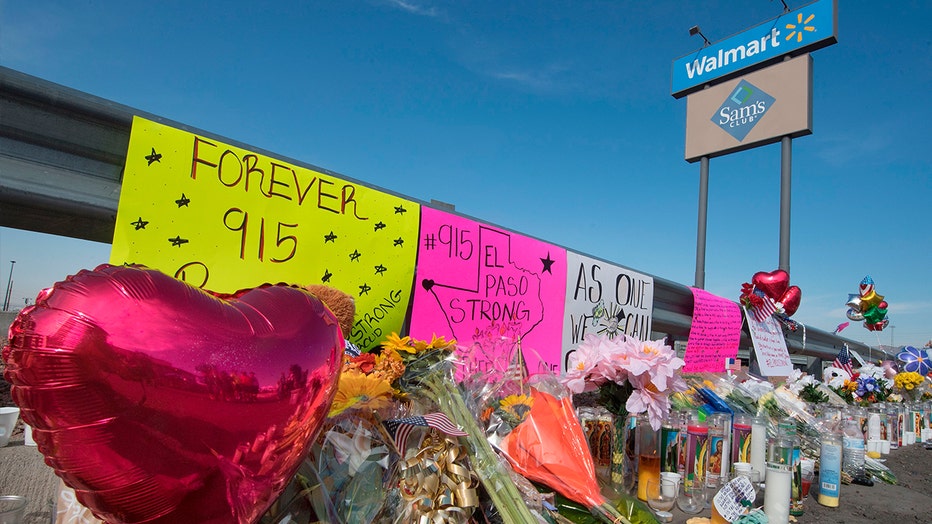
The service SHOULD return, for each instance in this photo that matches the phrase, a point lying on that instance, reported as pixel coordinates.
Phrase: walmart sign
(808, 28)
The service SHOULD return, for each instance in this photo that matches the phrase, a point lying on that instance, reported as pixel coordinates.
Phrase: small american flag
(768, 308)
(732, 364)
(843, 360)
(400, 428)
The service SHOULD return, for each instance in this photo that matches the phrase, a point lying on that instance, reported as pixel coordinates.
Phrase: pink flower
(582, 365)
(648, 366)
(660, 362)
(646, 398)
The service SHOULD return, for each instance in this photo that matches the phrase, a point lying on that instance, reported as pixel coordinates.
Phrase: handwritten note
(223, 218)
(731, 499)
(770, 346)
(604, 299)
(714, 334)
(482, 285)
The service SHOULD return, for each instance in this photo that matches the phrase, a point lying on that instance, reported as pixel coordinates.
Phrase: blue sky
(553, 119)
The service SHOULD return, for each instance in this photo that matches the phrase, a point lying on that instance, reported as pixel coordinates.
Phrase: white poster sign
(604, 299)
(770, 346)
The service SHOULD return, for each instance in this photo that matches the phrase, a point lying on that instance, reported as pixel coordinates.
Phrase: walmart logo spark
(796, 30)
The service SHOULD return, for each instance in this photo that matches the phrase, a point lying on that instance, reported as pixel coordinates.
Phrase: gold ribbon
(437, 485)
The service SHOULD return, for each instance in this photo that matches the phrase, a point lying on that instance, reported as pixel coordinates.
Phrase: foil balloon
(915, 360)
(790, 300)
(162, 403)
(872, 299)
(875, 315)
(773, 284)
(854, 302)
(854, 314)
(889, 369)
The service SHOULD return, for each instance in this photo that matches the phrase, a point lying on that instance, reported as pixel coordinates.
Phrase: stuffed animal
(342, 305)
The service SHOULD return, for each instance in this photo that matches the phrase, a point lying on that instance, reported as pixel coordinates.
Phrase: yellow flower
(516, 406)
(441, 342)
(907, 380)
(358, 390)
(398, 344)
(420, 345)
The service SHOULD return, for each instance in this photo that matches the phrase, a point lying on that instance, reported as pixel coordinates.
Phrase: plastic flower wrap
(543, 441)
(437, 483)
(429, 374)
(710, 393)
(352, 455)
(781, 404)
(353, 465)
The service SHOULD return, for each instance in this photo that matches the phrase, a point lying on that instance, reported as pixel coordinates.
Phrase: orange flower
(388, 365)
(364, 362)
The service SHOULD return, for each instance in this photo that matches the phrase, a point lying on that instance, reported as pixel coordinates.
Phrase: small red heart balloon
(773, 284)
(162, 403)
(790, 300)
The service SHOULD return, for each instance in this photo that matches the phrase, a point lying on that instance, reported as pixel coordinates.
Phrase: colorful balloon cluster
(868, 306)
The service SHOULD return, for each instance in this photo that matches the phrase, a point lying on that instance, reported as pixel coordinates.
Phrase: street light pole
(9, 288)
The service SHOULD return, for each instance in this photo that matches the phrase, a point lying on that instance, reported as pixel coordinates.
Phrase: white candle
(777, 494)
(873, 426)
(758, 448)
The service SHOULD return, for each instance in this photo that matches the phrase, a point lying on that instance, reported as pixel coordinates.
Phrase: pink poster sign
(714, 335)
(488, 287)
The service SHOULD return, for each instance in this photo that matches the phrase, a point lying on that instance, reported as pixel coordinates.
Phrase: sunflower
(516, 407)
(398, 343)
(357, 390)
(441, 342)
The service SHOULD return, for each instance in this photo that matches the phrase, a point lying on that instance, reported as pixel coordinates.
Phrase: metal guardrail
(62, 153)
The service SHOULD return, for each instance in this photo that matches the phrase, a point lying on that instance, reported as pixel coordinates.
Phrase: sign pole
(703, 219)
(786, 173)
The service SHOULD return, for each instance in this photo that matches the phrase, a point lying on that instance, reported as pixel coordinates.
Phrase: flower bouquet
(351, 459)
(429, 375)
(911, 385)
(866, 386)
(533, 424)
(631, 376)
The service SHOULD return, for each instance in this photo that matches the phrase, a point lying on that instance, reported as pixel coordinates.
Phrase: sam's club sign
(808, 28)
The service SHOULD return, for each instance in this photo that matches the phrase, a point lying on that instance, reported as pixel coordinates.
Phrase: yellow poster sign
(224, 219)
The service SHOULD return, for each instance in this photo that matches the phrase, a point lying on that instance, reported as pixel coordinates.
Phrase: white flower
(757, 388)
(356, 449)
(871, 371)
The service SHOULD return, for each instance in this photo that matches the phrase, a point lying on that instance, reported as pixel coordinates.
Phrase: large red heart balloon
(162, 403)
(773, 284)
(790, 300)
